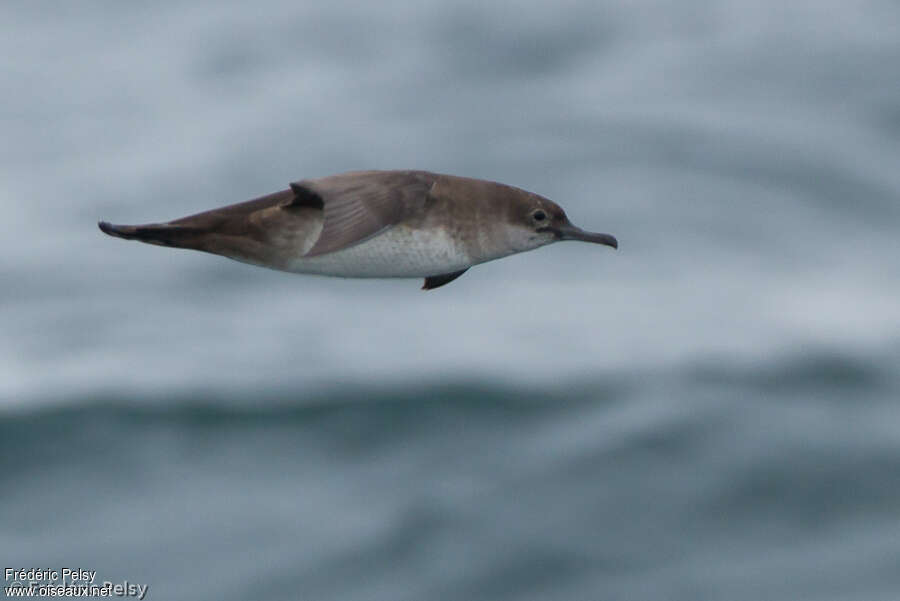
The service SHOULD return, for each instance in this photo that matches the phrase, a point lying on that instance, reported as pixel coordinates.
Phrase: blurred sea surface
(709, 413)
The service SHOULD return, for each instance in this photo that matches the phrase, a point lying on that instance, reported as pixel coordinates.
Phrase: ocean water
(710, 412)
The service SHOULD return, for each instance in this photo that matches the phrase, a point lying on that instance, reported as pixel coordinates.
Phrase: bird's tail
(163, 234)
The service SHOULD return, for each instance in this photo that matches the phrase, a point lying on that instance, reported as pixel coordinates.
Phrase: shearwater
(373, 224)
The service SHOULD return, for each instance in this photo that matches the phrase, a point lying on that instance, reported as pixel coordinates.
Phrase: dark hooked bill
(571, 232)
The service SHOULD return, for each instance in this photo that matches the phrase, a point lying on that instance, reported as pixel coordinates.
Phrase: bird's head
(545, 222)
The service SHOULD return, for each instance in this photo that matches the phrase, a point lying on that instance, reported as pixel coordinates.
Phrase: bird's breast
(399, 251)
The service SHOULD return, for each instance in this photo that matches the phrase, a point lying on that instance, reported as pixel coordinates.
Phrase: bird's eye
(539, 215)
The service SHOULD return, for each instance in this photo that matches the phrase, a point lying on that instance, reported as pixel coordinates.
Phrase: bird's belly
(400, 251)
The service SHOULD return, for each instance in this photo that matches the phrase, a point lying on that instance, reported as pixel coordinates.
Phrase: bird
(373, 224)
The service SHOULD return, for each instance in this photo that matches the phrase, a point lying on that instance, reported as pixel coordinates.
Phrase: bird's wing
(436, 281)
(362, 204)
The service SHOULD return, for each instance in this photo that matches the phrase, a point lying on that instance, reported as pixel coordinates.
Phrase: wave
(797, 373)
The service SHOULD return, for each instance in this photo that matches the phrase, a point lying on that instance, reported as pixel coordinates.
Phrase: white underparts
(399, 251)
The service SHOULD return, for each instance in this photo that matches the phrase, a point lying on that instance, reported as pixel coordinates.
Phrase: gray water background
(709, 413)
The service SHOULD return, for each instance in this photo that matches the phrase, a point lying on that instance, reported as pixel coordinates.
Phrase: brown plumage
(373, 224)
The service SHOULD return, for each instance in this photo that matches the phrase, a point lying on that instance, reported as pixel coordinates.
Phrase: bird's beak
(571, 232)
